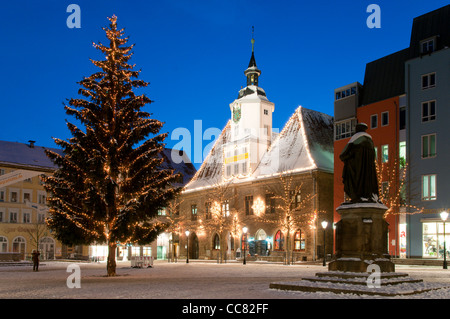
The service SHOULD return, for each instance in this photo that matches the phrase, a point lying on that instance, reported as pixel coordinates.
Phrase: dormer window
(428, 45)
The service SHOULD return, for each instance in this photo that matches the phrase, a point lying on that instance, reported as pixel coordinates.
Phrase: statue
(359, 174)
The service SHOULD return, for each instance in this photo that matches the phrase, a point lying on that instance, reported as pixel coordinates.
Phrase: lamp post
(444, 216)
(187, 247)
(324, 226)
(244, 230)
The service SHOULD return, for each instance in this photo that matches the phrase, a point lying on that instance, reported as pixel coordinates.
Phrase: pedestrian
(35, 257)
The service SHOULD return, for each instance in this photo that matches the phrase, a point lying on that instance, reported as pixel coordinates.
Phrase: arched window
(216, 242)
(19, 245)
(3, 244)
(299, 240)
(279, 241)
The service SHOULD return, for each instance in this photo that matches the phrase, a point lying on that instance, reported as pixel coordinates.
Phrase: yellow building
(23, 205)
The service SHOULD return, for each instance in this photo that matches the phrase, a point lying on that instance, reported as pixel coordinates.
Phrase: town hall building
(260, 192)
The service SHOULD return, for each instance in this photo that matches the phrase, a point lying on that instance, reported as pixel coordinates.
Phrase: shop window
(433, 239)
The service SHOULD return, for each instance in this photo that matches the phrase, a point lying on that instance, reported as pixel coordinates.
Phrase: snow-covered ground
(196, 280)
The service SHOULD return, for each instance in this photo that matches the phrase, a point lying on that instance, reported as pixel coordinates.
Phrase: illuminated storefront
(433, 238)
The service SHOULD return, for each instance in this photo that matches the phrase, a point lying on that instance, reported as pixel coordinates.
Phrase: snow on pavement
(196, 280)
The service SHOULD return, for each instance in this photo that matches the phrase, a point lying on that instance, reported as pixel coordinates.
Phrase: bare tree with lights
(110, 182)
(289, 204)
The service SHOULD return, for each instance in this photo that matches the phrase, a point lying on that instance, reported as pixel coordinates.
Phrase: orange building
(380, 103)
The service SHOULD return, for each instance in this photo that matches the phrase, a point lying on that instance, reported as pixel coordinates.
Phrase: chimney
(31, 145)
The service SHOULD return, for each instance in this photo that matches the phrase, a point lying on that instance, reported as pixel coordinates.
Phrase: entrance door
(161, 253)
(193, 246)
(47, 248)
(19, 246)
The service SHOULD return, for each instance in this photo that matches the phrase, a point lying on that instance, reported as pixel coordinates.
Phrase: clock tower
(251, 125)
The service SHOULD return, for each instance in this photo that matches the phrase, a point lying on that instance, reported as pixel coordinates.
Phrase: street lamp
(324, 226)
(244, 230)
(187, 247)
(444, 216)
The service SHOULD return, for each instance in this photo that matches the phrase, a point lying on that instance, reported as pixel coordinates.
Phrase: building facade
(23, 209)
(399, 103)
(23, 204)
(259, 193)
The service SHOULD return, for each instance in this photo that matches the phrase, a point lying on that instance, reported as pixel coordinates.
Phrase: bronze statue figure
(359, 174)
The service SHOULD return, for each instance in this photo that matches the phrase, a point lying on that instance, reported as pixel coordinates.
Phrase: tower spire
(253, 39)
(252, 71)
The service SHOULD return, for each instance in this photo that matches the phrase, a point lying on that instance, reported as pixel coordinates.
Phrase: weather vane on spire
(253, 40)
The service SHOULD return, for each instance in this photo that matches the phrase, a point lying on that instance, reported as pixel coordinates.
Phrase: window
(2, 196)
(376, 153)
(41, 218)
(429, 187)
(344, 129)
(346, 93)
(384, 118)
(162, 211)
(427, 46)
(385, 153)
(374, 121)
(402, 118)
(248, 205)
(279, 241)
(270, 204)
(2, 216)
(3, 244)
(216, 242)
(295, 199)
(208, 212)
(266, 112)
(194, 212)
(26, 196)
(428, 111)
(13, 197)
(428, 80)
(402, 154)
(226, 208)
(26, 218)
(299, 240)
(13, 217)
(428, 146)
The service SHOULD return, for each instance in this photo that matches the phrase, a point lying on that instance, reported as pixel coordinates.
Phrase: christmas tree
(110, 182)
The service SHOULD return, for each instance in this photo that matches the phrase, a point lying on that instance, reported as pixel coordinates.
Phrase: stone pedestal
(361, 239)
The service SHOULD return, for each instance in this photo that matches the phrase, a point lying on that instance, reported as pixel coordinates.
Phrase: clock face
(236, 114)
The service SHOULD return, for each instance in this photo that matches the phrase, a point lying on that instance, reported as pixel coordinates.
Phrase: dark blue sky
(193, 53)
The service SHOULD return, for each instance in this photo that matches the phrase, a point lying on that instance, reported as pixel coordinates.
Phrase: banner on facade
(16, 176)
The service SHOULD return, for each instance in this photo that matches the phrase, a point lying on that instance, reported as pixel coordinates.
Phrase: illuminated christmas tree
(110, 181)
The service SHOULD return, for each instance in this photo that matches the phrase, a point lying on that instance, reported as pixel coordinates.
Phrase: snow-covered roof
(183, 166)
(305, 143)
(25, 155)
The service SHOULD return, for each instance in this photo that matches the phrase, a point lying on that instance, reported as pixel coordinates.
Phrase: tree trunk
(111, 263)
